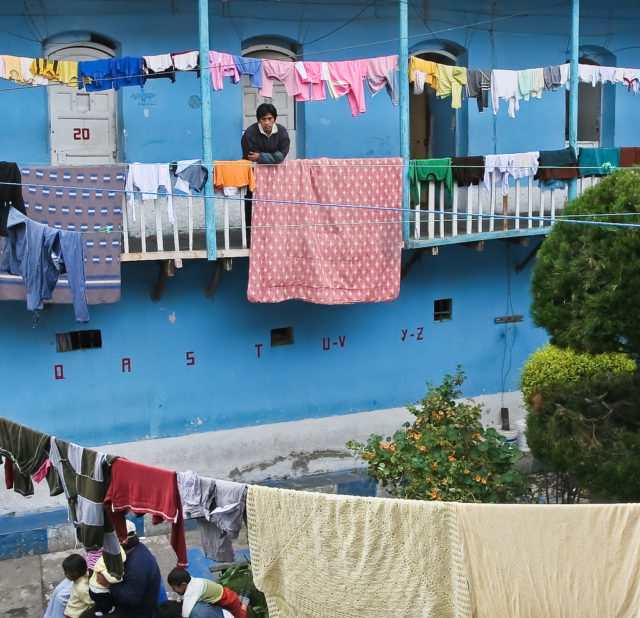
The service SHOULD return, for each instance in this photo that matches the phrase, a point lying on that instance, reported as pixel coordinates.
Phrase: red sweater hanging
(144, 489)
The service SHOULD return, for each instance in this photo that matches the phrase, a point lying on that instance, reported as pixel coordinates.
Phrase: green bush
(553, 365)
(590, 432)
(445, 454)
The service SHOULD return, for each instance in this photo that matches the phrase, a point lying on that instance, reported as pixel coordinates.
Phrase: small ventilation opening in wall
(442, 309)
(282, 336)
(78, 340)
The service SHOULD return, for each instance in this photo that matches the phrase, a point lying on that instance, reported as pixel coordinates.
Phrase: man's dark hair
(266, 108)
(178, 577)
(170, 609)
(75, 565)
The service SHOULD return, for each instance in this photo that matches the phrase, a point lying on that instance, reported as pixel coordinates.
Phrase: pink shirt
(221, 65)
(315, 78)
(285, 72)
(346, 78)
(378, 69)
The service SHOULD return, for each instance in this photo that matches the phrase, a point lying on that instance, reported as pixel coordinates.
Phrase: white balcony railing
(468, 214)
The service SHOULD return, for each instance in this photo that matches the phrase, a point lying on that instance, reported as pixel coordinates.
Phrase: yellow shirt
(79, 599)
(450, 82)
(68, 73)
(13, 69)
(427, 67)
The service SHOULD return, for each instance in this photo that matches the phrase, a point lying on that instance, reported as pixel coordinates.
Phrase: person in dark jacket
(266, 143)
(137, 595)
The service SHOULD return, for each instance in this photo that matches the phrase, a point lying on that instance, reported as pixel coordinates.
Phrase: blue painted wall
(321, 31)
(229, 386)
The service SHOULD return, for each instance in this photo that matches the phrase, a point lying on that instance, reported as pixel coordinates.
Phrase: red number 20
(81, 134)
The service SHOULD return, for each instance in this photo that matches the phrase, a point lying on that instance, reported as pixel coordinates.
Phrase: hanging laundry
(143, 489)
(110, 73)
(10, 192)
(424, 170)
(556, 76)
(191, 174)
(221, 65)
(478, 86)
(230, 503)
(158, 67)
(68, 73)
(589, 73)
(504, 85)
(40, 254)
(314, 76)
(371, 556)
(631, 79)
(499, 167)
(383, 72)
(327, 254)
(3, 73)
(451, 80)
(607, 74)
(557, 165)
(251, 67)
(187, 61)
(27, 450)
(598, 161)
(551, 559)
(467, 171)
(45, 68)
(422, 72)
(233, 174)
(84, 475)
(346, 78)
(197, 494)
(286, 72)
(530, 83)
(147, 177)
(18, 69)
(78, 198)
(629, 157)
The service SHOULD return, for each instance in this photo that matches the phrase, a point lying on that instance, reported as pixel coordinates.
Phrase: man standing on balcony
(266, 143)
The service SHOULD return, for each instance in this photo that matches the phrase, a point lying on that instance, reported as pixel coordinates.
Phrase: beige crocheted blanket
(321, 555)
(556, 561)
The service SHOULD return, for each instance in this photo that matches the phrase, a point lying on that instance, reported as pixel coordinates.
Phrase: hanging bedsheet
(327, 556)
(310, 243)
(81, 199)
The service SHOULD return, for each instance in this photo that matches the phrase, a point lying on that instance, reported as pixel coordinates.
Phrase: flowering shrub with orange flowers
(445, 454)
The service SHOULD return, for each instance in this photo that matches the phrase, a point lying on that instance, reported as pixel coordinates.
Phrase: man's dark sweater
(137, 594)
(272, 149)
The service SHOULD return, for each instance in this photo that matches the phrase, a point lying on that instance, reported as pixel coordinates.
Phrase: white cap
(131, 528)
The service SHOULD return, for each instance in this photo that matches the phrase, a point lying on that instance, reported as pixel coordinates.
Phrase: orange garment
(234, 174)
(427, 67)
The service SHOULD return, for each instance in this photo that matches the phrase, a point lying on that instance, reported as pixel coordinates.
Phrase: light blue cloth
(59, 599)
(251, 67)
(205, 610)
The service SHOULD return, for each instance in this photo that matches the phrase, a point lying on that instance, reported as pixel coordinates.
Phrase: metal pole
(207, 127)
(573, 88)
(403, 78)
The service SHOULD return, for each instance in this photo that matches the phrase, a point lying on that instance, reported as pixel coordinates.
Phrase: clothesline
(306, 80)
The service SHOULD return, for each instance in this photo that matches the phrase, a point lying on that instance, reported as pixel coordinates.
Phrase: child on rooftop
(198, 589)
